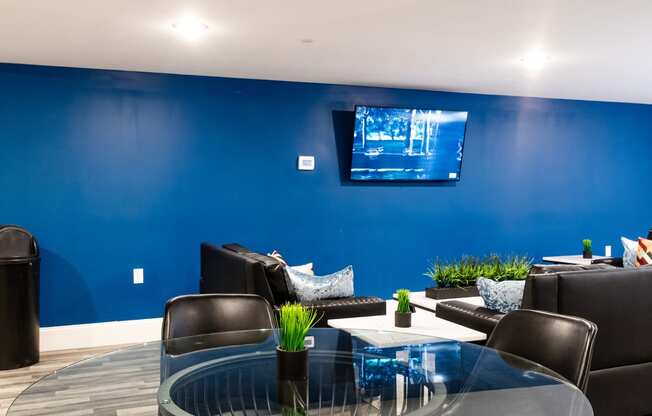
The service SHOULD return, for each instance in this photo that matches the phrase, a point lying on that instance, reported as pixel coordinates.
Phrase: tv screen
(407, 144)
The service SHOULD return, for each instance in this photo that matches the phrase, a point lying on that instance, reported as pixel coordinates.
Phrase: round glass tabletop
(353, 372)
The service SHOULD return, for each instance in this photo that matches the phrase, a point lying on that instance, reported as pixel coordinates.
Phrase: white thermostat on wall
(306, 163)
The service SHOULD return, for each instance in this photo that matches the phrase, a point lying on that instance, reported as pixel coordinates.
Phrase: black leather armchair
(234, 269)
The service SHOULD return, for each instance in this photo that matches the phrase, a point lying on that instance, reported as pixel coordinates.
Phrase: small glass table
(350, 372)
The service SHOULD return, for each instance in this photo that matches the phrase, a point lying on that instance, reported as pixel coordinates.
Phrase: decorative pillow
(629, 255)
(501, 296)
(643, 252)
(304, 268)
(278, 256)
(307, 287)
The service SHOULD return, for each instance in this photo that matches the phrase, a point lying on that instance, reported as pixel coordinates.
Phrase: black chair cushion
(469, 315)
(347, 308)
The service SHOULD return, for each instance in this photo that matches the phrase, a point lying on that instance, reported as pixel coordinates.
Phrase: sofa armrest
(469, 315)
(612, 261)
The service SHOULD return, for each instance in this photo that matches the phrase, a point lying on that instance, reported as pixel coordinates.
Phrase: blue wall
(116, 170)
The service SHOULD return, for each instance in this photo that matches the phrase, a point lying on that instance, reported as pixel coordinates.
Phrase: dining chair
(562, 343)
(191, 315)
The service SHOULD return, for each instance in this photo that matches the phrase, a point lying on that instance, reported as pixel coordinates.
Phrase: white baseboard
(100, 334)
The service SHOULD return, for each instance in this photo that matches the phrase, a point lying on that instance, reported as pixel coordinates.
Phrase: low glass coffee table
(350, 372)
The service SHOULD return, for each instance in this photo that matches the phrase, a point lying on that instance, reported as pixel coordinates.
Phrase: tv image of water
(407, 144)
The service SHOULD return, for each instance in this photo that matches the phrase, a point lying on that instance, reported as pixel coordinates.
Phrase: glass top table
(350, 372)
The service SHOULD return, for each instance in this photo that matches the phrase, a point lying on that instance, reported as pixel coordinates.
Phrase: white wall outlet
(139, 276)
(306, 163)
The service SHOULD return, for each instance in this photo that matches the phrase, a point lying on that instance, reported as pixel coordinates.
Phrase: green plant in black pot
(587, 251)
(457, 279)
(455, 274)
(295, 320)
(454, 279)
(403, 313)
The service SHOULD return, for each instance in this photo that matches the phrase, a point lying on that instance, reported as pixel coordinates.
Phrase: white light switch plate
(309, 342)
(139, 276)
(306, 163)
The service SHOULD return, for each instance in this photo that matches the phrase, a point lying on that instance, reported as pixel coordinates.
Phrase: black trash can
(19, 298)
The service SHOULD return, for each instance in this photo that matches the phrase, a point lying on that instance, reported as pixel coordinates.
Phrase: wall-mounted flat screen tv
(407, 144)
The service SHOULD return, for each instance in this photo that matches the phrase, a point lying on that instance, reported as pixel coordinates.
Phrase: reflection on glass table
(356, 372)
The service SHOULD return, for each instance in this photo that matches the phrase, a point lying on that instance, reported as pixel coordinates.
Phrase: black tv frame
(459, 176)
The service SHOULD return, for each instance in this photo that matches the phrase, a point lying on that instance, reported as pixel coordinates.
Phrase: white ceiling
(597, 49)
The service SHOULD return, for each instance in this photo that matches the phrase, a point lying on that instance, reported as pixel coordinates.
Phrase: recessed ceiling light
(190, 28)
(535, 60)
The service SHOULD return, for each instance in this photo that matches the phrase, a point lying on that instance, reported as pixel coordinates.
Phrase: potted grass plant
(457, 279)
(453, 280)
(295, 320)
(403, 313)
(587, 251)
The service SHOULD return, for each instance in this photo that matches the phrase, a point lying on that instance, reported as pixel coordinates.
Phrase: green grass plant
(295, 320)
(587, 244)
(403, 296)
(467, 270)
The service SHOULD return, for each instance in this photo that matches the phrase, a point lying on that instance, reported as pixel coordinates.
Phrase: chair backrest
(561, 343)
(211, 313)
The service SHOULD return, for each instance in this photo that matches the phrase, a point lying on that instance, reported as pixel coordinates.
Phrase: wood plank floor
(41, 400)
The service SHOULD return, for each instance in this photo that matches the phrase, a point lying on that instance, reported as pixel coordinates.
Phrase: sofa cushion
(619, 303)
(352, 307)
(556, 268)
(225, 271)
(468, 315)
(621, 390)
(275, 272)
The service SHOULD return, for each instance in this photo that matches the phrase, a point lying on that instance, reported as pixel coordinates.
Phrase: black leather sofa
(484, 320)
(619, 301)
(235, 269)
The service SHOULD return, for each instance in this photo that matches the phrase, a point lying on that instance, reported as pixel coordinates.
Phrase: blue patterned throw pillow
(629, 255)
(308, 287)
(501, 296)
